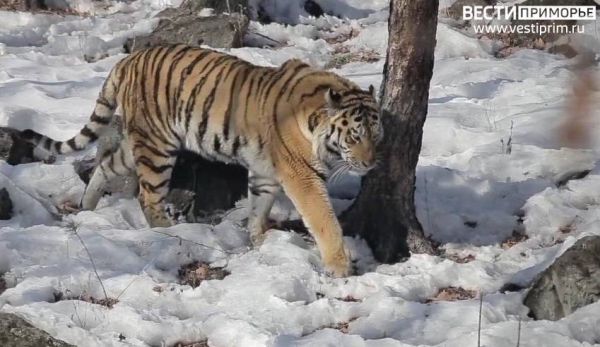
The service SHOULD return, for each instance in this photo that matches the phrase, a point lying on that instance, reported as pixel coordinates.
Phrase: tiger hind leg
(117, 163)
(154, 168)
(261, 196)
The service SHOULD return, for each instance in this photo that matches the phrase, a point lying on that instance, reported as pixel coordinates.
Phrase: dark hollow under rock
(573, 281)
(6, 205)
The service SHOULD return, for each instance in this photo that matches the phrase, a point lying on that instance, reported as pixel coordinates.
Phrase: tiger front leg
(309, 195)
(261, 196)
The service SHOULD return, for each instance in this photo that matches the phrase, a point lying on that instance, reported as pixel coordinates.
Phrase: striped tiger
(290, 126)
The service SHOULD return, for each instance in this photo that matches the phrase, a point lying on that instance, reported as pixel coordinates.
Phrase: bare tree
(384, 212)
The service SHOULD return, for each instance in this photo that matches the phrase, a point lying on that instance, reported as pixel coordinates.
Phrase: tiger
(291, 126)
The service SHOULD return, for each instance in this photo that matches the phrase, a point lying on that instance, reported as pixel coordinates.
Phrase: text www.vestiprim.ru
(533, 28)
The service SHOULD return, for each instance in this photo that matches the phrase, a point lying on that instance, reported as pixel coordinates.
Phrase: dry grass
(194, 273)
(343, 37)
(515, 238)
(453, 294)
(343, 327)
(342, 56)
(567, 229)
(460, 259)
(106, 302)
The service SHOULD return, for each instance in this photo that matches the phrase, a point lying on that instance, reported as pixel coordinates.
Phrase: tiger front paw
(337, 266)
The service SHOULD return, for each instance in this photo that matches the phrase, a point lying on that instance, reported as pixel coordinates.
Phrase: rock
(22, 5)
(221, 31)
(16, 332)
(219, 6)
(573, 281)
(6, 206)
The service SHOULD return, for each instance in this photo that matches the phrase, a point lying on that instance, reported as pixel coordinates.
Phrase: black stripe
(191, 102)
(319, 89)
(154, 187)
(87, 132)
(71, 143)
(100, 120)
(301, 79)
(47, 143)
(123, 160)
(153, 150)
(232, 97)
(57, 146)
(261, 143)
(144, 160)
(235, 147)
(157, 80)
(313, 121)
(331, 149)
(217, 144)
(102, 101)
(210, 99)
(257, 191)
(176, 59)
(185, 72)
(245, 100)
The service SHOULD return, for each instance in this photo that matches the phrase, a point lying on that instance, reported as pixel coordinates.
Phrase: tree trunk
(384, 212)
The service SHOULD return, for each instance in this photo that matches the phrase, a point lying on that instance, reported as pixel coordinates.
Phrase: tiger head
(348, 131)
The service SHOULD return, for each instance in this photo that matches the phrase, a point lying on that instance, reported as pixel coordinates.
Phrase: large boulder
(219, 6)
(573, 281)
(16, 332)
(23, 5)
(183, 26)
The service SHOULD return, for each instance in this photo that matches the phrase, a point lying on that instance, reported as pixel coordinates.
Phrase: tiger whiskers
(338, 171)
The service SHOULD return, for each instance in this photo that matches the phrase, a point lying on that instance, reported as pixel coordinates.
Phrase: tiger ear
(372, 91)
(334, 100)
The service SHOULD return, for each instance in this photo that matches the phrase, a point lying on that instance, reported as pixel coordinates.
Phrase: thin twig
(479, 326)
(194, 242)
(519, 333)
(266, 37)
(362, 74)
(91, 261)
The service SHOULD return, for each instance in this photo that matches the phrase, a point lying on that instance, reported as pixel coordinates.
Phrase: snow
(471, 196)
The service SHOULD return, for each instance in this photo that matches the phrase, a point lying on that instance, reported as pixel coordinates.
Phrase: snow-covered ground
(471, 196)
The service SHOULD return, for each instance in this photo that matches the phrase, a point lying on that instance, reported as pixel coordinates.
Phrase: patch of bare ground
(194, 273)
(203, 343)
(453, 294)
(106, 302)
